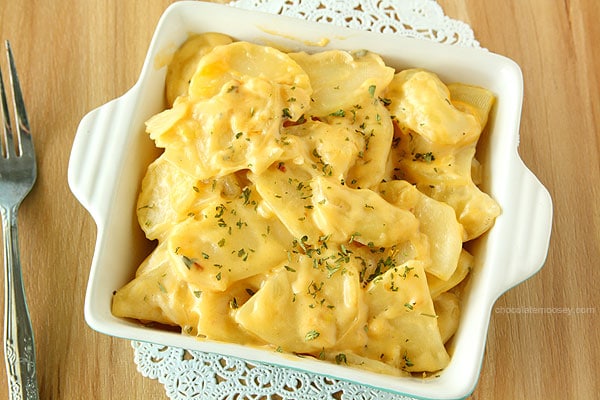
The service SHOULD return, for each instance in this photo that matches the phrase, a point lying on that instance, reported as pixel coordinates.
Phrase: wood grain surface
(76, 55)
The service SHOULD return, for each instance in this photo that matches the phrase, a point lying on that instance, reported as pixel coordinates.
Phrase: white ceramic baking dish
(111, 152)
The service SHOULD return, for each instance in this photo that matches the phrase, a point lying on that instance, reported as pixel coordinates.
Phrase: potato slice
(287, 192)
(341, 79)
(228, 242)
(217, 310)
(447, 307)
(166, 196)
(361, 214)
(361, 362)
(185, 62)
(417, 160)
(321, 148)
(370, 126)
(475, 100)
(476, 210)
(226, 67)
(421, 101)
(438, 286)
(157, 294)
(306, 309)
(436, 220)
(402, 324)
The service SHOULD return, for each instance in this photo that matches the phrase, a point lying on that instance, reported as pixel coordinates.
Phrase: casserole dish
(111, 152)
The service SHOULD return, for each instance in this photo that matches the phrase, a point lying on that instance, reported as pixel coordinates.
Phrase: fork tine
(6, 138)
(21, 121)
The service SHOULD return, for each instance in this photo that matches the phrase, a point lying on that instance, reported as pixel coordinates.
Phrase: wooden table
(75, 55)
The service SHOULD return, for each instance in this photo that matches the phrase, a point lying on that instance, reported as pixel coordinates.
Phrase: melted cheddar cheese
(314, 203)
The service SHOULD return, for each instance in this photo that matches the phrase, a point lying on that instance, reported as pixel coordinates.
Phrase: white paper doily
(201, 376)
(422, 19)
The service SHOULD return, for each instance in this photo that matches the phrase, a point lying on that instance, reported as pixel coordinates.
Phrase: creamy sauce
(313, 203)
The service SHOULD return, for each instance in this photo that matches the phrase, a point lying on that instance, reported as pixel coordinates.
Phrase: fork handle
(19, 347)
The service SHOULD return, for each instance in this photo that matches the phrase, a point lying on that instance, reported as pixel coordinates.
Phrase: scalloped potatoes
(314, 203)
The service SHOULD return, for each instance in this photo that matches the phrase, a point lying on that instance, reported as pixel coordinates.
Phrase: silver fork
(18, 172)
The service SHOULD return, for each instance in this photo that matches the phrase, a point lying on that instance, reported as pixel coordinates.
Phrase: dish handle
(93, 167)
(532, 206)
